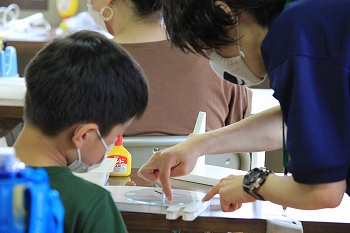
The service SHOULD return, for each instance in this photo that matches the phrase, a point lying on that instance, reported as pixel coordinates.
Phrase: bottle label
(121, 165)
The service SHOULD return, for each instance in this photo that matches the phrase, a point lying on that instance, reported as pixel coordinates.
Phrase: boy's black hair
(83, 78)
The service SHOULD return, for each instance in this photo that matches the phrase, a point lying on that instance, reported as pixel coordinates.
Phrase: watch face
(253, 180)
(254, 175)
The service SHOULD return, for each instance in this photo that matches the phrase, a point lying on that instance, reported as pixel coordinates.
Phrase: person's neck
(141, 32)
(39, 150)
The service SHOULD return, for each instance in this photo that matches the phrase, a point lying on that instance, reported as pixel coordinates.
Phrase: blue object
(311, 78)
(8, 62)
(28, 204)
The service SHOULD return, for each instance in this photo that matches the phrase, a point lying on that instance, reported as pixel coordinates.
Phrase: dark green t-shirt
(88, 207)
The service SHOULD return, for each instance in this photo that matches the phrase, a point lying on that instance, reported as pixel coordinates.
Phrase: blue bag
(28, 204)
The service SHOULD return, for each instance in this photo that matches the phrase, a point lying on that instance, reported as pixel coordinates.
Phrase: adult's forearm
(285, 191)
(259, 132)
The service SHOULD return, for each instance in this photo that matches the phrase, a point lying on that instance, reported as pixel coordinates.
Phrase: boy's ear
(82, 134)
(223, 6)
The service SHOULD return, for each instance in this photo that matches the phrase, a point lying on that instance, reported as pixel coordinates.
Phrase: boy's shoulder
(63, 180)
(84, 203)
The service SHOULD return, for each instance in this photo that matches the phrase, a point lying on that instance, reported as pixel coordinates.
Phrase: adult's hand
(175, 161)
(231, 193)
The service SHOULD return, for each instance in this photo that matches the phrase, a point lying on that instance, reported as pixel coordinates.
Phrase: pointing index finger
(212, 192)
(165, 180)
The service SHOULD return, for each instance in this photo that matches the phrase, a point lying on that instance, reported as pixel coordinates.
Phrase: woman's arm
(282, 190)
(259, 132)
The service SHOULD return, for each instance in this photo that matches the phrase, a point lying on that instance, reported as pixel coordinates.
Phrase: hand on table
(231, 193)
(175, 161)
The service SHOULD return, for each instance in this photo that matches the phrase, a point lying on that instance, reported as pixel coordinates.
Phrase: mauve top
(181, 85)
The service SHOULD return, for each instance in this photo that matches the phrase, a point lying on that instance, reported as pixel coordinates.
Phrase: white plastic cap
(7, 156)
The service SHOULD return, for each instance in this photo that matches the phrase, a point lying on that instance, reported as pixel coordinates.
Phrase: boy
(82, 92)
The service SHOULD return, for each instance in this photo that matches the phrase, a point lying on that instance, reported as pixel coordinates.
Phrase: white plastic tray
(172, 211)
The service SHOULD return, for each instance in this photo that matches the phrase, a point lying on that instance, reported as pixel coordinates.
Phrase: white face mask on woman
(234, 69)
(80, 167)
(97, 16)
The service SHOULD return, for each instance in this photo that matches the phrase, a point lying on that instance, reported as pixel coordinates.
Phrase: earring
(108, 17)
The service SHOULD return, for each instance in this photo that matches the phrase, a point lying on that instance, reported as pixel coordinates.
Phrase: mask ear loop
(79, 155)
(102, 140)
(239, 37)
(75, 131)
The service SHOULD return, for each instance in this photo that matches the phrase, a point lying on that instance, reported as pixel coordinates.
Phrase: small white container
(100, 174)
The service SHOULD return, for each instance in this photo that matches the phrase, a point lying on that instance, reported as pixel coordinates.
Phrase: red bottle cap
(119, 141)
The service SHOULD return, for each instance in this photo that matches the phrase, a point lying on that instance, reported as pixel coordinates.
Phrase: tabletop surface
(250, 218)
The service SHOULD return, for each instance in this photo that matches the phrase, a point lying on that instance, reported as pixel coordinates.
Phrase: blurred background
(49, 10)
(47, 7)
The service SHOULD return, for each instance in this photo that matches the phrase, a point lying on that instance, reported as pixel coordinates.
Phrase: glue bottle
(123, 165)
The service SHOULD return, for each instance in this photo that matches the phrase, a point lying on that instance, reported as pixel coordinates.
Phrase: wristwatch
(254, 179)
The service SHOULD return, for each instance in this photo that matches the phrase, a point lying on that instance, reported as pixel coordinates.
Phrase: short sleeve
(314, 98)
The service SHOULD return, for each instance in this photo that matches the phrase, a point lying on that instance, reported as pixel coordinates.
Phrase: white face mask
(96, 16)
(234, 69)
(80, 167)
